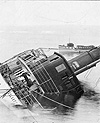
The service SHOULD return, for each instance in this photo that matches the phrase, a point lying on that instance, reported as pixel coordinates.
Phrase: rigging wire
(53, 100)
(5, 94)
(97, 83)
(88, 73)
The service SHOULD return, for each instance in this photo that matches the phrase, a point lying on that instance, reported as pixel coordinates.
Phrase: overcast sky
(30, 13)
(22, 13)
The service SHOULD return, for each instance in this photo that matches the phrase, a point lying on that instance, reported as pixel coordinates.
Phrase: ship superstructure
(48, 81)
(70, 48)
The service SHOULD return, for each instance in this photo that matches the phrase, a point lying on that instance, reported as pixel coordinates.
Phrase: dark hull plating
(65, 100)
(49, 81)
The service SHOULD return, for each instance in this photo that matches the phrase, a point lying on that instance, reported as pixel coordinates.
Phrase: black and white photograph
(49, 61)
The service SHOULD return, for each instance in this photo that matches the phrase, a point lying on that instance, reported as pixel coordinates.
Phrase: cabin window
(75, 65)
(60, 68)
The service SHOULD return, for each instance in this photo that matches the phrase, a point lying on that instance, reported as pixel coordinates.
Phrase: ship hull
(49, 81)
(65, 100)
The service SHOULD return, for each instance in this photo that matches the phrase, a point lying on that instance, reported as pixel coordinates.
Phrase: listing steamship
(48, 81)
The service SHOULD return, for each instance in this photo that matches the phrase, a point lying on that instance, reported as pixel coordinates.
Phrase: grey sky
(22, 13)
(22, 17)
